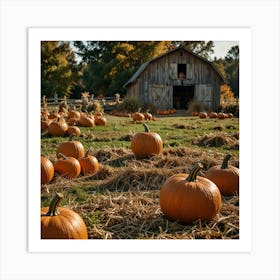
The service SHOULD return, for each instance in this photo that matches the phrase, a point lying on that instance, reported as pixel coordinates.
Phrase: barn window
(182, 68)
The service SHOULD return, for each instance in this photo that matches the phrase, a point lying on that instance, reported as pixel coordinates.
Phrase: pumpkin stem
(193, 173)
(63, 156)
(225, 162)
(53, 204)
(146, 128)
(88, 151)
(71, 136)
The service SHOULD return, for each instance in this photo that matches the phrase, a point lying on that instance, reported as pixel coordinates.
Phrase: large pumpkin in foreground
(146, 144)
(61, 223)
(225, 176)
(188, 197)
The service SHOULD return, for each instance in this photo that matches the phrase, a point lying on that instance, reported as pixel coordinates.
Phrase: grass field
(121, 201)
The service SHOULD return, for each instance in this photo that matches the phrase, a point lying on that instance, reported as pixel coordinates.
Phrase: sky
(221, 48)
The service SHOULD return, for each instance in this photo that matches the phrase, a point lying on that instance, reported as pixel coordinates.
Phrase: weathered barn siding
(158, 81)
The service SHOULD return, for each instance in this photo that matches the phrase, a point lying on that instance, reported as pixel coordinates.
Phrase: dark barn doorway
(182, 95)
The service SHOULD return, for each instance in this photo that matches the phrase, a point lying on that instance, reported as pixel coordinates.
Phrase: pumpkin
(146, 144)
(221, 116)
(67, 166)
(203, 115)
(74, 130)
(213, 115)
(138, 116)
(86, 120)
(89, 164)
(58, 127)
(47, 170)
(188, 197)
(73, 114)
(225, 176)
(71, 148)
(61, 223)
(148, 116)
(100, 120)
(54, 115)
(45, 123)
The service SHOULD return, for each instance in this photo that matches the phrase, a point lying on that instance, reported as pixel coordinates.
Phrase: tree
(232, 69)
(59, 70)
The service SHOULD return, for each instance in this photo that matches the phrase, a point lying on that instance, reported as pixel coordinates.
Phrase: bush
(130, 105)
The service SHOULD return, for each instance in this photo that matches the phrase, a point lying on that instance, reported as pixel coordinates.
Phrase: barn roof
(145, 65)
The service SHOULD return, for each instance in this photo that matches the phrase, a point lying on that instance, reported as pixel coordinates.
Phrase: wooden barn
(174, 79)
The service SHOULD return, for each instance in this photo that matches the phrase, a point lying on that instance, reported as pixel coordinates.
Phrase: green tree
(59, 69)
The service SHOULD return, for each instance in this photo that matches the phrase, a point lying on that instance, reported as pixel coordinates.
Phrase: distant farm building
(174, 79)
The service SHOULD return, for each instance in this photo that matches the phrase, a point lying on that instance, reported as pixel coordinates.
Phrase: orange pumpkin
(138, 116)
(67, 166)
(148, 116)
(61, 223)
(146, 144)
(203, 115)
(89, 164)
(58, 127)
(45, 123)
(188, 197)
(213, 115)
(71, 148)
(74, 114)
(100, 120)
(86, 120)
(74, 130)
(47, 170)
(221, 116)
(226, 177)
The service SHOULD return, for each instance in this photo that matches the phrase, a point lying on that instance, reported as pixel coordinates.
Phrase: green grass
(110, 136)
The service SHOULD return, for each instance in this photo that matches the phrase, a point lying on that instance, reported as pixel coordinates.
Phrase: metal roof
(145, 65)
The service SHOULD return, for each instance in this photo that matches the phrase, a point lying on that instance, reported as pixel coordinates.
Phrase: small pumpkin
(138, 116)
(100, 120)
(74, 130)
(225, 176)
(61, 223)
(146, 144)
(203, 115)
(47, 170)
(213, 115)
(148, 116)
(86, 120)
(221, 116)
(67, 166)
(188, 197)
(71, 148)
(58, 127)
(74, 114)
(45, 123)
(89, 164)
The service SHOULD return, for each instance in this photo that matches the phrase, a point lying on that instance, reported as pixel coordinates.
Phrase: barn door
(204, 94)
(161, 96)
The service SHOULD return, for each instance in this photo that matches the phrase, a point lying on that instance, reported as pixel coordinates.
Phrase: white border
(243, 35)
(262, 16)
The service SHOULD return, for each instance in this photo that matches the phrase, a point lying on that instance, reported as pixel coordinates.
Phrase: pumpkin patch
(121, 194)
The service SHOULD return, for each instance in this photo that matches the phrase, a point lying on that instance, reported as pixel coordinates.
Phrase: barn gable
(174, 79)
